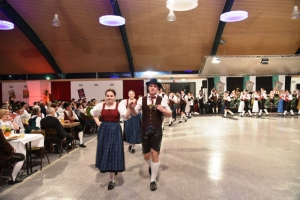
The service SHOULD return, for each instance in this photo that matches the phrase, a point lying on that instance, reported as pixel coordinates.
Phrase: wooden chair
(3, 166)
(90, 123)
(50, 136)
(41, 150)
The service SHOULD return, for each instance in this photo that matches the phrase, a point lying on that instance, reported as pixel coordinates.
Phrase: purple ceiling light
(5, 25)
(234, 16)
(112, 20)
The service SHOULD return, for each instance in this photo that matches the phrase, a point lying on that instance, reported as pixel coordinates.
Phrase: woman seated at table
(69, 116)
(7, 120)
(8, 154)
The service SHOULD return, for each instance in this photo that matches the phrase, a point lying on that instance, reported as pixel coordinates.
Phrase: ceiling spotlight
(112, 20)
(215, 60)
(234, 16)
(171, 16)
(56, 21)
(264, 61)
(181, 5)
(5, 25)
(295, 14)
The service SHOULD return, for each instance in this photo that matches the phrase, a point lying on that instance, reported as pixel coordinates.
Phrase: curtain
(136, 85)
(1, 93)
(61, 90)
(216, 80)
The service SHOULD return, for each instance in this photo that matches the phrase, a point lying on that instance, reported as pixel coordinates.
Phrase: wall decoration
(25, 93)
(81, 93)
(249, 86)
(11, 93)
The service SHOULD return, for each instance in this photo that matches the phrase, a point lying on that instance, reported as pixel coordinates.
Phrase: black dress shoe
(185, 120)
(132, 150)
(149, 170)
(153, 186)
(82, 145)
(17, 180)
(179, 121)
(130, 147)
(111, 185)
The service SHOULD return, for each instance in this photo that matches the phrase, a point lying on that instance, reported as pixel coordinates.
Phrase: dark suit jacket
(52, 122)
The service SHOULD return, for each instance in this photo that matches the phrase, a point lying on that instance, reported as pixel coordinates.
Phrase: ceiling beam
(117, 11)
(12, 14)
(227, 7)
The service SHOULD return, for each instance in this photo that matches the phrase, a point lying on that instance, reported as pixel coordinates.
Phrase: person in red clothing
(110, 149)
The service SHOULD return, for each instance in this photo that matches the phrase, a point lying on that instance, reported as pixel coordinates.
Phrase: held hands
(66, 121)
(132, 103)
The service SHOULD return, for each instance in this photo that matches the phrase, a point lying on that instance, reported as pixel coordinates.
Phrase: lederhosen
(151, 131)
(182, 104)
(173, 108)
(214, 102)
(287, 103)
(246, 108)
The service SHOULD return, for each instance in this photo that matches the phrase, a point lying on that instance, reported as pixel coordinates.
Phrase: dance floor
(207, 157)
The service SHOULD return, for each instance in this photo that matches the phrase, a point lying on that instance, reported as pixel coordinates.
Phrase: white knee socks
(154, 170)
(80, 136)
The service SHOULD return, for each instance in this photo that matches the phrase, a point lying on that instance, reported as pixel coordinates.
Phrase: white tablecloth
(37, 140)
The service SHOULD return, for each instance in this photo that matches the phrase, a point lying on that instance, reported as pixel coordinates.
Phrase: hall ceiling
(82, 45)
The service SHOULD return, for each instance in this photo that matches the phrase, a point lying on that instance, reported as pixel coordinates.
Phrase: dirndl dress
(280, 107)
(241, 106)
(132, 130)
(255, 107)
(110, 149)
(226, 104)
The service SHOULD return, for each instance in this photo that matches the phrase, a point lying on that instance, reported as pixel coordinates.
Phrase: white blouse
(96, 111)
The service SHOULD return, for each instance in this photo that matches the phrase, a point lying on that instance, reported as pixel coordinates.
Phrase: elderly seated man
(50, 121)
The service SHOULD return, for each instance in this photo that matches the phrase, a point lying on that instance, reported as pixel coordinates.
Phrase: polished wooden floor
(207, 157)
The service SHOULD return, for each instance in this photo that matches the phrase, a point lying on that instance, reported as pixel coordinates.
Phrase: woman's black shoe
(153, 186)
(130, 147)
(111, 185)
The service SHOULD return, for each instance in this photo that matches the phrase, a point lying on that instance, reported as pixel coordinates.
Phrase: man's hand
(160, 107)
(64, 139)
(66, 121)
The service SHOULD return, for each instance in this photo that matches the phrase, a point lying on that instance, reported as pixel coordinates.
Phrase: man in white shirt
(153, 108)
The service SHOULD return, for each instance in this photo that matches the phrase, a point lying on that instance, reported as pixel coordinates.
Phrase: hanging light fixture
(5, 25)
(171, 16)
(295, 14)
(181, 5)
(234, 16)
(56, 21)
(112, 20)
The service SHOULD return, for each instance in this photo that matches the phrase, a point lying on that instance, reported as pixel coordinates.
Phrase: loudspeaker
(204, 84)
(298, 86)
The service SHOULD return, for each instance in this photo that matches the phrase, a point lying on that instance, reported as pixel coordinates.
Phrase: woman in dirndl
(110, 151)
(227, 100)
(132, 132)
(280, 107)
(256, 103)
(242, 104)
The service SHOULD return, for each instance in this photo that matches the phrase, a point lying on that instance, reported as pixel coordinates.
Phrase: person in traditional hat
(153, 108)
(110, 149)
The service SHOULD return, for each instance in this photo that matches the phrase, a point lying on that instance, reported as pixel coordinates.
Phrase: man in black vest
(153, 107)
